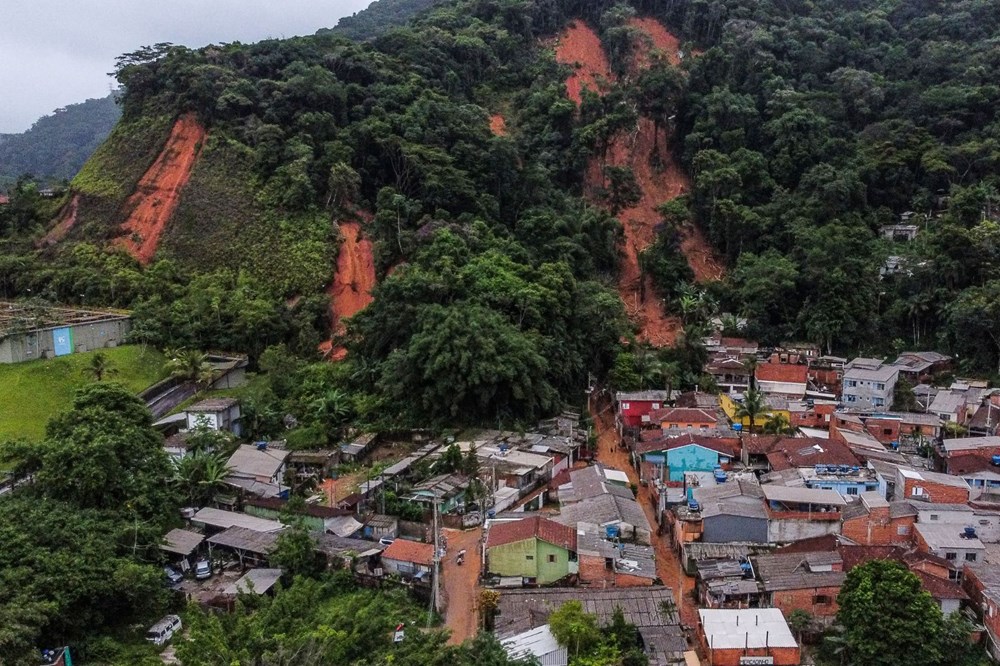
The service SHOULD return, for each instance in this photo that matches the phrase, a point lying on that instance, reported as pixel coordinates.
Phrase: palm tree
(330, 409)
(189, 365)
(778, 424)
(200, 476)
(100, 367)
(752, 406)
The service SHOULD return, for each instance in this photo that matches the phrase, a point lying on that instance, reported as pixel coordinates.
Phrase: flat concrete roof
(730, 629)
(776, 493)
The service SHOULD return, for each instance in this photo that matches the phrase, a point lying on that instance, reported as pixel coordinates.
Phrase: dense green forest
(805, 128)
(378, 18)
(56, 146)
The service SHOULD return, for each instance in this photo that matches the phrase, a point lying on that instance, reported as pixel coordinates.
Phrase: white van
(162, 631)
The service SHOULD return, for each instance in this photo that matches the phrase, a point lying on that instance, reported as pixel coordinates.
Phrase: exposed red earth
(580, 46)
(65, 222)
(158, 192)
(351, 290)
(660, 39)
(498, 124)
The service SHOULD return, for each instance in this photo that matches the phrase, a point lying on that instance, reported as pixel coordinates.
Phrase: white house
(215, 413)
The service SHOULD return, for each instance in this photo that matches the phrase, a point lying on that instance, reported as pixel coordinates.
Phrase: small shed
(538, 643)
(255, 581)
(249, 546)
(181, 544)
(408, 558)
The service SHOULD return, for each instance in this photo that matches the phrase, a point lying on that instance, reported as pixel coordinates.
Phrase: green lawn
(34, 391)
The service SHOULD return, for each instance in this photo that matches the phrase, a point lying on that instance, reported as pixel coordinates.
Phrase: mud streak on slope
(580, 44)
(352, 286)
(158, 192)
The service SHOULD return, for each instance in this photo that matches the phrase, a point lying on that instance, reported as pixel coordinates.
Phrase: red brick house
(932, 487)
(782, 379)
(802, 581)
(634, 408)
(982, 583)
(875, 522)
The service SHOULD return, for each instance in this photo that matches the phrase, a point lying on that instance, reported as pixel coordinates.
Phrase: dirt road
(668, 568)
(461, 583)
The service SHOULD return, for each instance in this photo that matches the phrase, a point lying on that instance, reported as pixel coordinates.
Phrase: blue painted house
(673, 456)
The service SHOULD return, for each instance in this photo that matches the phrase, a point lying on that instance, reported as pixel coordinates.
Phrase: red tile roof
(404, 550)
(534, 527)
(782, 372)
(790, 452)
(939, 587)
(729, 446)
(683, 415)
(759, 444)
(857, 555)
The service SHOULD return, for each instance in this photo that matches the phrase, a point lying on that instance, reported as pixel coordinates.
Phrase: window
(851, 382)
(880, 386)
(552, 558)
(886, 431)
(821, 599)
(656, 405)
(951, 556)
(850, 398)
(529, 557)
(917, 491)
(970, 557)
(625, 406)
(852, 491)
(934, 516)
(903, 530)
(984, 522)
(878, 402)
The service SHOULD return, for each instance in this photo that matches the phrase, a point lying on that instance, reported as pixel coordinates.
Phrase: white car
(203, 570)
(163, 631)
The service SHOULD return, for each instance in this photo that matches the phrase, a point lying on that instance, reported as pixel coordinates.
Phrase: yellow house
(729, 407)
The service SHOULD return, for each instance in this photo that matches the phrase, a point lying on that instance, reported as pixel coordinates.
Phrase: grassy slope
(32, 392)
(220, 222)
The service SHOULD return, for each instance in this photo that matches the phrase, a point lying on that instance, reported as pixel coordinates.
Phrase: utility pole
(435, 596)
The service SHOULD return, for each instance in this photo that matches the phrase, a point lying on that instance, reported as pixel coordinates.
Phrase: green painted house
(536, 549)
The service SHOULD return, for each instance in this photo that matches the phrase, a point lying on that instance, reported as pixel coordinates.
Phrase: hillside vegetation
(803, 127)
(57, 145)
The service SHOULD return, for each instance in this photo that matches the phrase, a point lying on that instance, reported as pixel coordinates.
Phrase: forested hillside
(379, 18)
(56, 146)
(490, 198)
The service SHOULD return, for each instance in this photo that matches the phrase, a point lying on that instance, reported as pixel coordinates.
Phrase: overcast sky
(58, 52)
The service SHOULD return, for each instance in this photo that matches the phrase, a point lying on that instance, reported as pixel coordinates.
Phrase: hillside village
(506, 336)
(720, 507)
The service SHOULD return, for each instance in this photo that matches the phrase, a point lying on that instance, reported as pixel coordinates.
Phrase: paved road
(461, 583)
(668, 568)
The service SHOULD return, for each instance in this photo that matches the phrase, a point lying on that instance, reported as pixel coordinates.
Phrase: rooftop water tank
(693, 505)
(611, 531)
(720, 476)
(996, 460)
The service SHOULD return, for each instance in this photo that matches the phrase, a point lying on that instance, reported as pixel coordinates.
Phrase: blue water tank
(969, 533)
(996, 460)
(611, 531)
(737, 427)
(491, 514)
(720, 476)
(693, 505)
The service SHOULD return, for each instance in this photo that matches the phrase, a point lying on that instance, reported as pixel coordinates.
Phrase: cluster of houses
(242, 523)
(776, 521)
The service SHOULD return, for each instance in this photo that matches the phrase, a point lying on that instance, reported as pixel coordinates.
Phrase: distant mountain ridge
(379, 18)
(57, 145)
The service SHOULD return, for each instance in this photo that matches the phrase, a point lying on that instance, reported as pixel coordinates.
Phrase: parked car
(203, 569)
(162, 631)
(172, 575)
